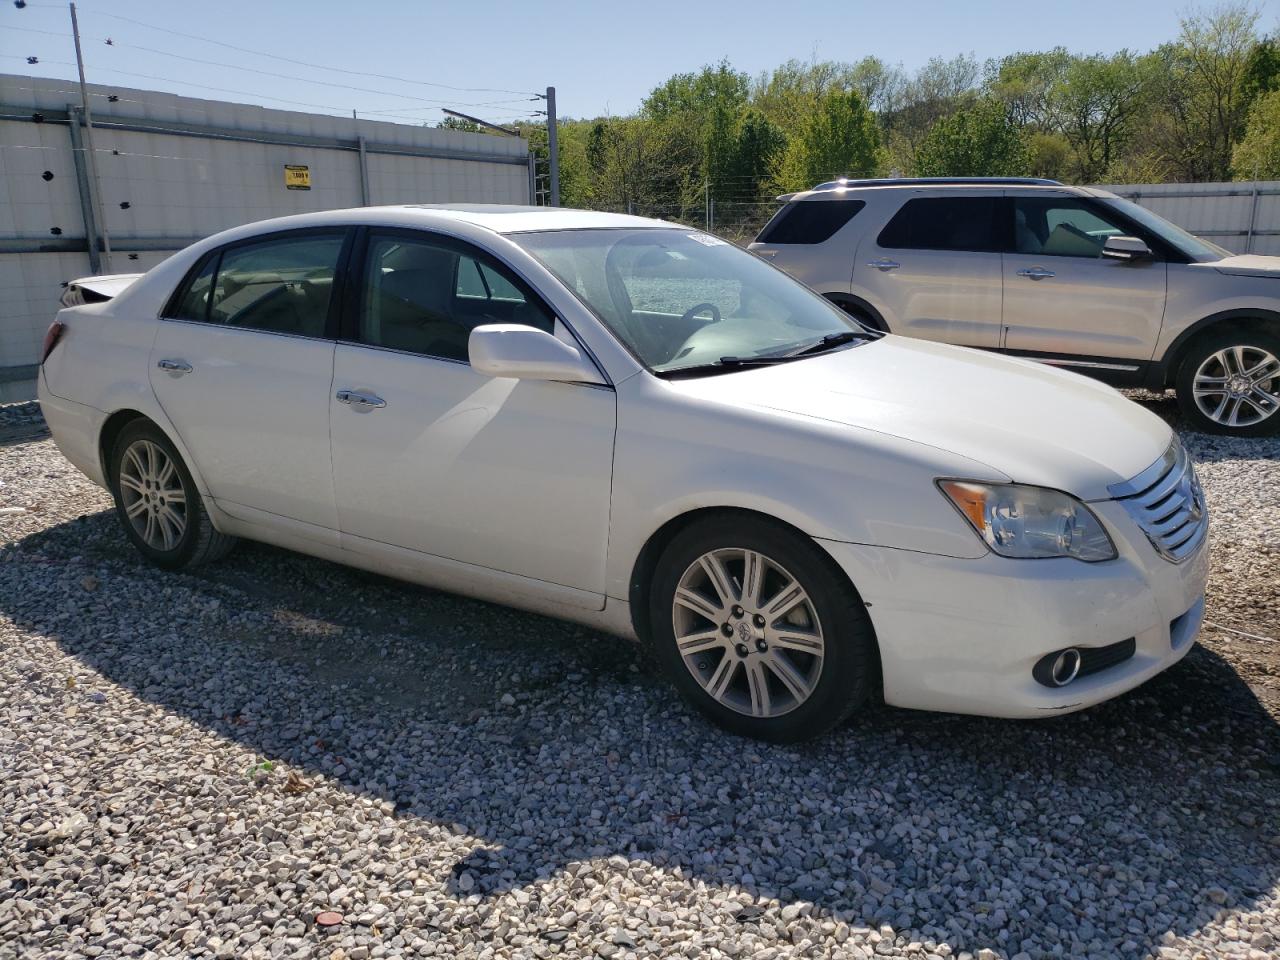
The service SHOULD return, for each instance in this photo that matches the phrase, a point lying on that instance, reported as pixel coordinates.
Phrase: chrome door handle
(176, 367)
(1035, 273)
(884, 264)
(357, 399)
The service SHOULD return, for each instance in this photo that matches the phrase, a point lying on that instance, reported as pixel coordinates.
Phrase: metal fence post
(364, 172)
(1253, 218)
(87, 211)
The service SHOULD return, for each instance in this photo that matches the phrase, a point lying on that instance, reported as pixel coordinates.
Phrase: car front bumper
(963, 635)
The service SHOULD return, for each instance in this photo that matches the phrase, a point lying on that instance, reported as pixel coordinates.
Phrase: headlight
(1030, 522)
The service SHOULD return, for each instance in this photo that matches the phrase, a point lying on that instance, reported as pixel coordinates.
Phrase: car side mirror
(1128, 249)
(526, 353)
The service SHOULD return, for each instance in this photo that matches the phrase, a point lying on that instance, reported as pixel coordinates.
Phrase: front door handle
(884, 264)
(357, 399)
(1035, 273)
(177, 368)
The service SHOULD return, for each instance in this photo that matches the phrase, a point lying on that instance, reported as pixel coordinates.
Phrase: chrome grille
(1166, 501)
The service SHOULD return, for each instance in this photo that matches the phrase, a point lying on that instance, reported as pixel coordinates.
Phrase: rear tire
(157, 501)
(1229, 383)
(766, 637)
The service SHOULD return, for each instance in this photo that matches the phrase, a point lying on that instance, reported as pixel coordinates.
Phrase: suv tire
(1229, 383)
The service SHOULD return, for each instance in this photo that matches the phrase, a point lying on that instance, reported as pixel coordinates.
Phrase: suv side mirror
(1128, 249)
(526, 353)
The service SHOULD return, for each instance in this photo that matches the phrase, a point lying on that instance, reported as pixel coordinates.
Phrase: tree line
(1203, 107)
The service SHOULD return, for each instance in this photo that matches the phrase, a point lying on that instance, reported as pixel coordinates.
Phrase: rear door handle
(1035, 273)
(175, 367)
(884, 264)
(355, 398)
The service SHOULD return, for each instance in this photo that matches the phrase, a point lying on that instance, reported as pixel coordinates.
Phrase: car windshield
(684, 300)
(1202, 251)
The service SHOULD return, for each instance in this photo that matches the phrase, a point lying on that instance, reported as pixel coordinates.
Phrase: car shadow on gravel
(556, 746)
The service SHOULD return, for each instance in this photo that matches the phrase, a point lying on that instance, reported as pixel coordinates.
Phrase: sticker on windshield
(707, 240)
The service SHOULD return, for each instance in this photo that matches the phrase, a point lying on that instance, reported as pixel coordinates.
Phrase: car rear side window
(809, 221)
(945, 223)
(280, 284)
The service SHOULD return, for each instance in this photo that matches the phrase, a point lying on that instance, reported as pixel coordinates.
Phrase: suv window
(426, 296)
(1060, 227)
(944, 223)
(809, 221)
(281, 284)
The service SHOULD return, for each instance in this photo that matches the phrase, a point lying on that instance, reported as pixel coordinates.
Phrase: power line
(316, 66)
(288, 76)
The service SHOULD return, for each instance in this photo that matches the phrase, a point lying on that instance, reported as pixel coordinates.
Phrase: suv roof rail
(844, 184)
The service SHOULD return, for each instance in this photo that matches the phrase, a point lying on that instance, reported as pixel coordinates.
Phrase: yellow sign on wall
(297, 176)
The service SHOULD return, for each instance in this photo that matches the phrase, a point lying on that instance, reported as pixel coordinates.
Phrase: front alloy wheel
(748, 632)
(1230, 383)
(1238, 386)
(759, 629)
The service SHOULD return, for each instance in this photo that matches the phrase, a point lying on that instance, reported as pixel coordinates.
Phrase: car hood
(1030, 422)
(1249, 265)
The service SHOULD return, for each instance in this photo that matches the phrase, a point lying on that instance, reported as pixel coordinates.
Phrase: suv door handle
(176, 367)
(884, 264)
(357, 399)
(1035, 273)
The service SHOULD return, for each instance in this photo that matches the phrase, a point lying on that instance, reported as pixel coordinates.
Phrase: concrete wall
(174, 169)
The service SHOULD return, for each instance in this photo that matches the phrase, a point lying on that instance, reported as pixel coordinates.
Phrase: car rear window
(809, 221)
(944, 223)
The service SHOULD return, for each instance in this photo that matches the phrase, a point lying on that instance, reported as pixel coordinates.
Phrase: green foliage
(978, 141)
(1257, 155)
(1197, 108)
(839, 138)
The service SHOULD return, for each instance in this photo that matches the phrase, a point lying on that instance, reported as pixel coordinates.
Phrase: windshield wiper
(829, 342)
(725, 364)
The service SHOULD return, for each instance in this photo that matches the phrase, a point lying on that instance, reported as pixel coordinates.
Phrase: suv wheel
(1229, 383)
(157, 501)
(759, 631)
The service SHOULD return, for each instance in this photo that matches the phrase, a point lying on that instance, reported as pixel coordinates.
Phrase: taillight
(51, 338)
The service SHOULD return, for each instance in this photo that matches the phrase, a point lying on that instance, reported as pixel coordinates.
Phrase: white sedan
(637, 426)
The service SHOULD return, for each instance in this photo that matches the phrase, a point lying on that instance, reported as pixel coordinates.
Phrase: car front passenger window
(426, 297)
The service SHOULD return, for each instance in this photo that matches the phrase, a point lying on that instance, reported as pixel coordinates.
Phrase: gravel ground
(198, 765)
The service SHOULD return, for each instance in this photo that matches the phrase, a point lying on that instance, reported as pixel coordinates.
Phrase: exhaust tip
(1059, 668)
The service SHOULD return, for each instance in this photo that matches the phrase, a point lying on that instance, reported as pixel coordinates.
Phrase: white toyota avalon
(637, 426)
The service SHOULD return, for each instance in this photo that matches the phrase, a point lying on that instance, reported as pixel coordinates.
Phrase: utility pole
(94, 187)
(553, 147)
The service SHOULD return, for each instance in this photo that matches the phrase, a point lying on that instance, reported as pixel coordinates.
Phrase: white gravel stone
(196, 765)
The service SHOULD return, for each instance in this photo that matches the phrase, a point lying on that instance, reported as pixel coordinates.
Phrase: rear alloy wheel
(1230, 384)
(157, 501)
(760, 631)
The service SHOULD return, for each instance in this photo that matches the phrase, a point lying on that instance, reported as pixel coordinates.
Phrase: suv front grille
(1166, 501)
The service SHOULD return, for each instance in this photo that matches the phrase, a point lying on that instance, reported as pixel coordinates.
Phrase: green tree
(839, 139)
(979, 141)
(1257, 155)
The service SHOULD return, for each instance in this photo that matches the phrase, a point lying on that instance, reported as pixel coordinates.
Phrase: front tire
(759, 631)
(157, 501)
(1229, 383)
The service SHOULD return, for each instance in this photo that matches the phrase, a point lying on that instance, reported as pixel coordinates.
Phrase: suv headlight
(1030, 522)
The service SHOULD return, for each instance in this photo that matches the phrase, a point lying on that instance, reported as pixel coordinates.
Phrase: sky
(401, 59)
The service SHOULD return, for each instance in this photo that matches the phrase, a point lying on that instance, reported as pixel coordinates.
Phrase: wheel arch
(853, 304)
(646, 562)
(1164, 374)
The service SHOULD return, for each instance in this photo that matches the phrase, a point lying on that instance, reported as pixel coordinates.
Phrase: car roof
(499, 218)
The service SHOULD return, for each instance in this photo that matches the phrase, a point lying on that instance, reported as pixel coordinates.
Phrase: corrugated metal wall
(1244, 217)
(174, 169)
